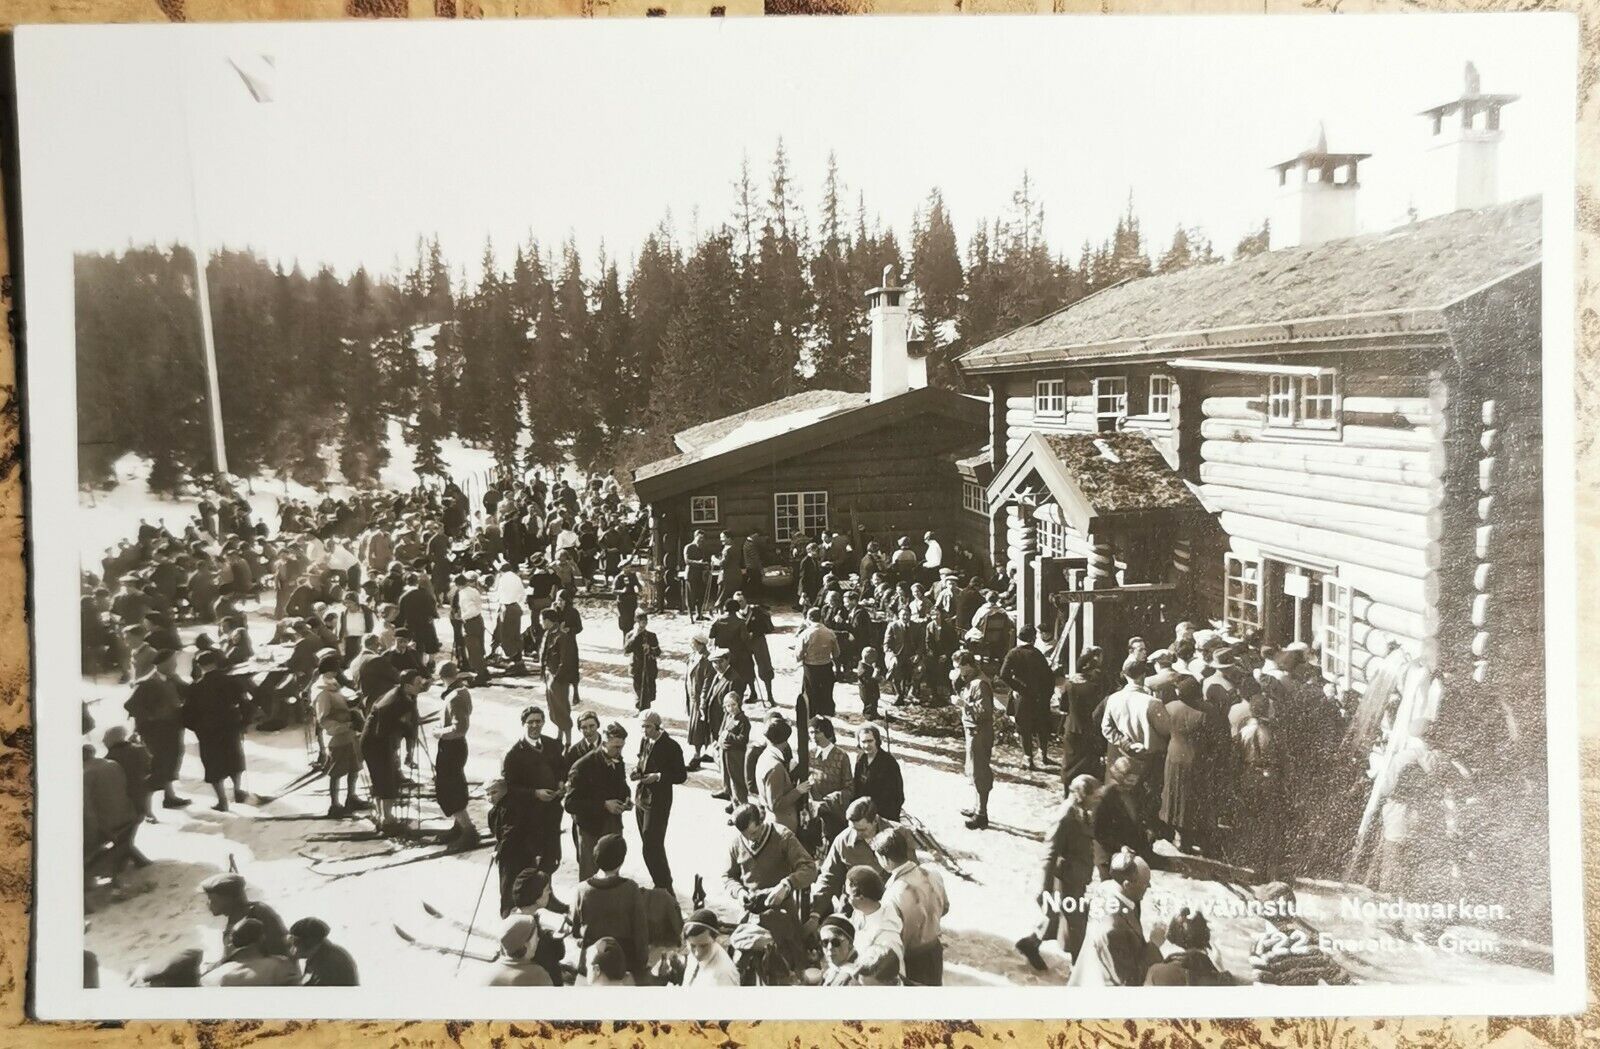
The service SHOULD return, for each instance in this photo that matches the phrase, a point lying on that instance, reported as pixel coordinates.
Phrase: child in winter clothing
(734, 740)
(868, 677)
(643, 645)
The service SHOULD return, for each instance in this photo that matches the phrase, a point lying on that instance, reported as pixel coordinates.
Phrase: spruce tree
(936, 272)
(835, 307)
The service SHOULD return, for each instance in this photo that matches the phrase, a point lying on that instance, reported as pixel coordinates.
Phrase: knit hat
(838, 925)
(702, 920)
(610, 851)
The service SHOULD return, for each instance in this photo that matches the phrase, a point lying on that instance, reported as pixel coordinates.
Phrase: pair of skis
(470, 931)
(467, 929)
(402, 854)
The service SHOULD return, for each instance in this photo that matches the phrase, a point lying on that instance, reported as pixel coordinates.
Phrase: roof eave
(836, 426)
(1345, 332)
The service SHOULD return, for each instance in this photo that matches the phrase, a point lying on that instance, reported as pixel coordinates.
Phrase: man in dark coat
(214, 712)
(597, 794)
(697, 569)
(808, 577)
(1027, 673)
(754, 566)
(417, 614)
(1117, 823)
(156, 707)
(391, 722)
(732, 568)
(730, 633)
(526, 812)
(658, 770)
(1068, 869)
(1078, 696)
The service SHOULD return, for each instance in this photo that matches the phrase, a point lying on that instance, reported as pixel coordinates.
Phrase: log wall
(1367, 499)
(898, 480)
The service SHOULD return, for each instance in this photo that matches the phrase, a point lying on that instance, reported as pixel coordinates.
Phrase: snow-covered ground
(988, 912)
(108, 516)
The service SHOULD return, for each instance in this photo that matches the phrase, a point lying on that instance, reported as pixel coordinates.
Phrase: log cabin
(901, 459)
(1337, 441)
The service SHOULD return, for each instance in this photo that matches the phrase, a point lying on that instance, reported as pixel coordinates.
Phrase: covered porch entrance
(1098, 519)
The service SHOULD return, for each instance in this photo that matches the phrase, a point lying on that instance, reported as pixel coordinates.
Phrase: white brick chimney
(1317, 195)
(894, 369)
(1461, 165)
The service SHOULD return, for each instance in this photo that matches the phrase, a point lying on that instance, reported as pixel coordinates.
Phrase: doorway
(1293, 602)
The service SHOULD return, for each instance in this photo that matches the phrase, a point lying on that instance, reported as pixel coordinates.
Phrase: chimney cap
(1472, 96)
(1316, 154)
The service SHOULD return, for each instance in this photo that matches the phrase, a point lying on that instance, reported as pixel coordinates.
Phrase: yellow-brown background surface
(16, 737)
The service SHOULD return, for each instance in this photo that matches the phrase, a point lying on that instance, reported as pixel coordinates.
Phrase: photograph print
(1027, 517)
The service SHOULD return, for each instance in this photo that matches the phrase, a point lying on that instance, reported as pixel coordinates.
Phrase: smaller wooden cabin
(902, 459)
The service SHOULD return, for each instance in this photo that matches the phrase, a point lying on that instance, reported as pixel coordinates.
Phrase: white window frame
(802, 512)
(1338, 641)
(703, 510)
(1109, 401)
(1050, 397)
(974, 497)
(1159, 404)
(1241, 593)
(1304, 402)
(1050, 536)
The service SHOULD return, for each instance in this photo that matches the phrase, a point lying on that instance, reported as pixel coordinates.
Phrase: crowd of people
(1196, 743)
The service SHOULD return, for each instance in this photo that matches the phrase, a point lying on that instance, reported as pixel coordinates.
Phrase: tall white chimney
(1317, 195)
(894, 371)
(1461, 166)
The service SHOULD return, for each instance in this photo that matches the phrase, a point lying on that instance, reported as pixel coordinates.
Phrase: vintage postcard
(1014, 517)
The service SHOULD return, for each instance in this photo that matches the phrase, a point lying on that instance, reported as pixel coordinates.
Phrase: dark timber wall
(900, 479)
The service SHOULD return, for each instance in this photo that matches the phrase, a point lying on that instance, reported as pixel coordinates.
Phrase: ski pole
(477, 905)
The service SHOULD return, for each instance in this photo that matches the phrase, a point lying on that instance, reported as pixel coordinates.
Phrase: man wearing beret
(226, 898)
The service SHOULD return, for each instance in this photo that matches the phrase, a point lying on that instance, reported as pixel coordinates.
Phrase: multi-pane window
(798, 512)
(974, 498)
(1050, 397)
(1303, 401)
(1160, 403)
(1336, 633)
(702, 509)
(1052, 537)
(1241, 594)
(1110, 402)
